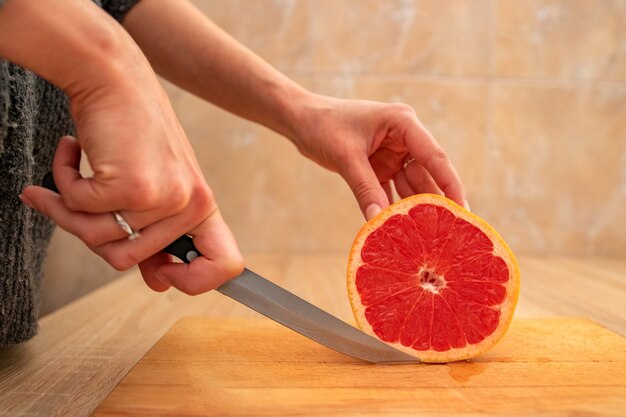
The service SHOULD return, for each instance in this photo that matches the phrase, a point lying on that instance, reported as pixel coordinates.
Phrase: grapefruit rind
(501, 249)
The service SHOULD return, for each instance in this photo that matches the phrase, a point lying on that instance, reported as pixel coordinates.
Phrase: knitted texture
(34, 115)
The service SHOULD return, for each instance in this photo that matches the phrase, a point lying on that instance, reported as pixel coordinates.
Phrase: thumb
(221, 259)
(366, 187)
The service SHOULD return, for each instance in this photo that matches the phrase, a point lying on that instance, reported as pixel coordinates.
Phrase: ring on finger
(123, 224)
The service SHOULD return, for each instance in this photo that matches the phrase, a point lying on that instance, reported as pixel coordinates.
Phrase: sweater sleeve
(116, 8)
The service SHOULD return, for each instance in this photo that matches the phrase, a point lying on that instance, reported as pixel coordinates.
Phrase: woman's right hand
(143, 165)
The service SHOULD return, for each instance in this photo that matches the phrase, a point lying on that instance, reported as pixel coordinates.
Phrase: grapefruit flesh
(432, 279)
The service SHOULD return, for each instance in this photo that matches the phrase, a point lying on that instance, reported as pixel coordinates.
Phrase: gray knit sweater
(34, 114)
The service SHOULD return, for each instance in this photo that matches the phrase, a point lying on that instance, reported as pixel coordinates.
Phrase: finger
(386, 162)
(388, 190)
(403, 187)
(365, 186)
(92, 196)
(93, 229)
(103, 228)
(150, 266)
(420, 179)
(125, 253)
(121, 253)
(220, 262)
(79, 193)
(427, 152)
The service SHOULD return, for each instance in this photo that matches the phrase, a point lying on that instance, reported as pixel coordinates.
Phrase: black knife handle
(182, 248)
(48, 182)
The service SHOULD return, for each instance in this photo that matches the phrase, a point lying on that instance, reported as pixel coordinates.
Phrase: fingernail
(467, 206)
(26, 201)
(372, 211)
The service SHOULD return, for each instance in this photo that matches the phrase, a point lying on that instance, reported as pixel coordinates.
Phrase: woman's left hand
(372, 145)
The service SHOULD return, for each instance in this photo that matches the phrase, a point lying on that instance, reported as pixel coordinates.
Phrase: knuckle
(344, 153)
(141, 193)
(178, 197)
(203, 202)
(404, 109)
(232, 267)
(437, 156)
(404, 115)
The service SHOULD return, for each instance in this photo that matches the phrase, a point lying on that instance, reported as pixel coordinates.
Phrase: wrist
(113, 70)
(300, 108)
(303, 113)
(288, 103)
(73, 44)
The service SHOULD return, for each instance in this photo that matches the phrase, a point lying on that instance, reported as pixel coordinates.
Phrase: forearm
(188, 49)
(71, 43)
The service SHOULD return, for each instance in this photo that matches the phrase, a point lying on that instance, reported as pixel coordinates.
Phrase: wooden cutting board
(254, 367)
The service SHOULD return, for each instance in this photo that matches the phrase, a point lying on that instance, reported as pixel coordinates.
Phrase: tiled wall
(527, 97)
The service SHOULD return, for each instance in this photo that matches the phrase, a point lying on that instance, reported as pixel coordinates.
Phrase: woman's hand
(372, 145)
(144, 168)
(143, 164)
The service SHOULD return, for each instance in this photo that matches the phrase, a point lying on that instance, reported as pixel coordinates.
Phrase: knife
(280, 305)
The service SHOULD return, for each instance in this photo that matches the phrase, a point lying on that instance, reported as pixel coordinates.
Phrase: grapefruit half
(432, 279)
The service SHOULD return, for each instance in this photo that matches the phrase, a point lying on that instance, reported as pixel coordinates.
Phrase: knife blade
(286, 308)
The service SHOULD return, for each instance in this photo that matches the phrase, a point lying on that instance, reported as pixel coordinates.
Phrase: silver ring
(123, 224)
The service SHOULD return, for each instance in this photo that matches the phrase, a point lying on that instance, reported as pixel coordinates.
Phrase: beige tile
(279, 31)
(582, 39)
(558, 169)
(335, 217)
(449, 37)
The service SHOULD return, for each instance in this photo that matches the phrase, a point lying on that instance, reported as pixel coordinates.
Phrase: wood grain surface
(85, 349)
(253, 367)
